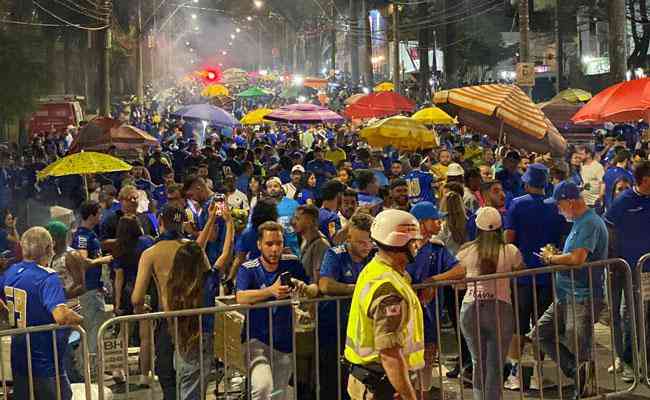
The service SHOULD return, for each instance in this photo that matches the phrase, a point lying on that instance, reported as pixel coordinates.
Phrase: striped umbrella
(304, 114)
(505, 113)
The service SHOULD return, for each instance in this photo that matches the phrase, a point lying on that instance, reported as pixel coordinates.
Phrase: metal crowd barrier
(237, 356)
(642, 293)
(53, 328)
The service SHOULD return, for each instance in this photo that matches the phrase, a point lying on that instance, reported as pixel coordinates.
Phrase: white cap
(395, 228)
(488, 219)
(298, 168)
(455, 170)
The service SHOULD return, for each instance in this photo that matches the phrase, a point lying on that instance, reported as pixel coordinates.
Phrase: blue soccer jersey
(31, 293)
(419, 185)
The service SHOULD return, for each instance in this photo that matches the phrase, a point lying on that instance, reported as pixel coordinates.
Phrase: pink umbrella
(304, 114)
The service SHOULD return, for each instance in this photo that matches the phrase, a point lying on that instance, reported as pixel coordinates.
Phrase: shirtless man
(157, 261)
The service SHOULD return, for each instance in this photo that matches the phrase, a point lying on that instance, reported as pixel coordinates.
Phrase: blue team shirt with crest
(419, 185)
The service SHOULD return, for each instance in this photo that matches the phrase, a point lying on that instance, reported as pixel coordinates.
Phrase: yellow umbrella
(434, 116)
(256, 117)
(573, 96)
(384, 87)
(403, 133)
(215, 90)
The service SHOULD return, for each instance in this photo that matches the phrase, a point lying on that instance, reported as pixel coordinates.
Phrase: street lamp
(237, 30)
(249, 18)
(258, 3)
(194, 16)
(232, 36)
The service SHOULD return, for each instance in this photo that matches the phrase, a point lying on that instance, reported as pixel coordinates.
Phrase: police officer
(385, 335)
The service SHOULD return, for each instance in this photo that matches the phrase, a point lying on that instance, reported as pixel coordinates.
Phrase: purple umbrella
(304, 114)
(206, 112)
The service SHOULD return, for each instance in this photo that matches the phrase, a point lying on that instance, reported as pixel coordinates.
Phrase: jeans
(165, 361)
(487, 343)
(190, 371)
(570, 329)
(92, 309)
(330, 363)
(266, 384)
(621, 314)
(44, 387)
(452, 306)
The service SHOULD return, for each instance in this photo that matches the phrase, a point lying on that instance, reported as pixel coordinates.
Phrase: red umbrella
(379, 105)
(623, 102)
(102, 132)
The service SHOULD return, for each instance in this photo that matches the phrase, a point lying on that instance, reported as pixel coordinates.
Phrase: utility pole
(105, 71)
(396, 62)
(333, 59)
(617, 53)
(138, 55)
(559, 52)
(353, 42)
(259, 46)
(367, 31)
(524, 27)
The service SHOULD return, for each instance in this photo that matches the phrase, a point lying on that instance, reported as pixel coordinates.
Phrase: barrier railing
(29, 332)
(642, 293)
(267, 370)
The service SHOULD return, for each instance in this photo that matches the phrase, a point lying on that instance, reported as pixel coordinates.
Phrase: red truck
(56, 111)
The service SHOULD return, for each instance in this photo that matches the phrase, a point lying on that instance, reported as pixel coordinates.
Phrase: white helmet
(395, 228)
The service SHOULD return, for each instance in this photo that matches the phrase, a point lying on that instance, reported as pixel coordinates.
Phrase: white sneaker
(512, 383)
(618, 365)
(628, 374)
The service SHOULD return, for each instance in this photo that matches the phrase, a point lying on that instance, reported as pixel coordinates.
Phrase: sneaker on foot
(618, 366)
(512, 383)
(628, 374)
(580, 379)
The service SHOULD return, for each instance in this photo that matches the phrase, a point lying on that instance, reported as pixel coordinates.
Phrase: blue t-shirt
(512, 184)
(630, 217)
(337, 265)
(319, 168)
(247, 243)
(432, 259)
(252, 275)
(329, 223)
(86, 239)
(368, 200)
(612, 175)
(588, 232)
(286, 210)
(130, 269)
(304, 195)
(419, 185)
(31, 293)
(523, 217)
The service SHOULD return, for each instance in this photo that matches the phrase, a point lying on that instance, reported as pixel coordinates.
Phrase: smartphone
(220, 200)
(285, 279)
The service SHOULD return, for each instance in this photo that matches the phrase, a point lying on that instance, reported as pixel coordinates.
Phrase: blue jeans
(621, 314)
(570, 329)
(487, 344)
(189, 370)
(44, 387)
(92, 309)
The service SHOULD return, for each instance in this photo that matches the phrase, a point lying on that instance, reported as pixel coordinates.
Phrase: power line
(7, 21)
(78, 11)
(78, 26)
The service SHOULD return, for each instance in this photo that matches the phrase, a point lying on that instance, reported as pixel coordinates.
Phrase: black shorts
(525, 309)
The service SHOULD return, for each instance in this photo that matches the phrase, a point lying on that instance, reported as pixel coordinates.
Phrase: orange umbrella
(623, 102)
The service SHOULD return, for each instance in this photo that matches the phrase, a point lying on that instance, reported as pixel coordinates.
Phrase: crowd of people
(281, 211)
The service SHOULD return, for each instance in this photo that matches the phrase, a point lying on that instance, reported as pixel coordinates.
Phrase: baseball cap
(298, 168)
(536, 175)
(455, 170)
(57, 229)
(564, 190)
(488, 219)
(425, 210)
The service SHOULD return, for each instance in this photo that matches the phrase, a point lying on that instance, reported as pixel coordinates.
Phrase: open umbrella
(623, 102)
(384, 87)
(560, 111)
(84, 163)
(102, 132)
(304, 114)
(434, 116)
(315, 83)
(573, 96)
(505, 113)
(256, 117)
(297, 91)
(253, 92)
(379, 105)
(354, 98)
(215, 90)
(403, 133)
(206, 112)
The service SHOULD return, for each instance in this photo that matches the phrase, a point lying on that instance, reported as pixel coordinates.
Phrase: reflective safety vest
(360, 341)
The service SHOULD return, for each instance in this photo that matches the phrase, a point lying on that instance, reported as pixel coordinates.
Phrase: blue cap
(565, 190)
(536, 175)
(425, 210)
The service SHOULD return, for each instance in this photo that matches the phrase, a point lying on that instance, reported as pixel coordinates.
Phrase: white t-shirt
(592, 176)
(237, 200)
(509, 259)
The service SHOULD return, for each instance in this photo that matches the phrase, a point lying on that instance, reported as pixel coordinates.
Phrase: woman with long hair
(487, 318)
(9, 236)
(454, 231)
(255, 189)
(307, 194)
(192, 284)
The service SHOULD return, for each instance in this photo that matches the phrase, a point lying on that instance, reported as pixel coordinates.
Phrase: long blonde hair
(489, 245)
(452, 204)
